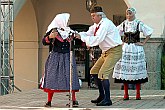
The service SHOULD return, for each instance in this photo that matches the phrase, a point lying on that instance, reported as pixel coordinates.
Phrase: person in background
(56, 76)
(103, 33)
(131, 68)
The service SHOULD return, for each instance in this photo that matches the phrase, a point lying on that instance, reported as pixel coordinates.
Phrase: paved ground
(35, 99)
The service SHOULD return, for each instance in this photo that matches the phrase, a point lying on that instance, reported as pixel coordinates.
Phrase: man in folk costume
(105, 34)
(131, 68)
(56, 76)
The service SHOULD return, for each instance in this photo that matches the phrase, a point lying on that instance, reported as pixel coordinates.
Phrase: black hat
(96, 8)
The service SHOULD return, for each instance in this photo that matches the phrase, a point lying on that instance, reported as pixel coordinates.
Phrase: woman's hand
(139, 43)
(144, 42)
(53, 34)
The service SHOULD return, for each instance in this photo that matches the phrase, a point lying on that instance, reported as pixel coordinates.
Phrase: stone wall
(153, 51)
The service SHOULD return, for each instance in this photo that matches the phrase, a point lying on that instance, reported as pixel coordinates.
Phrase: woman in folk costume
(131, 68)
(57, 67)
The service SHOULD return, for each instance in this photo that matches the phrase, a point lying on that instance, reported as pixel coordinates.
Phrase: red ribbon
(96, 30)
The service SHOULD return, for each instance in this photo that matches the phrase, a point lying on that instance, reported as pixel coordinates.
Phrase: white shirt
(107, 36)
(131, 26)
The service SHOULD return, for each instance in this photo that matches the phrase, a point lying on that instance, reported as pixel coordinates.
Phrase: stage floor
(35, 99)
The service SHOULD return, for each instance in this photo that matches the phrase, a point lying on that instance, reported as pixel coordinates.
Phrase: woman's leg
(126, 96)
(75, 102)
(50, 95)
(138, 91)
(73, 96)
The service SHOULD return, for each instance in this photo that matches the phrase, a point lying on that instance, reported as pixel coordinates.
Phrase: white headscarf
(61, 21)
(133, 10)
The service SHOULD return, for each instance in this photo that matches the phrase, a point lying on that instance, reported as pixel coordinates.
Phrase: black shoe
(98, 100)
(48, 104)
(75, 103)
(104, 103)
(126, 98)
(138, 98)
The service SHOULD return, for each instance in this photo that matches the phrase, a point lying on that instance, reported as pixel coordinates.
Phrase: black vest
(61, 47)
(131, 37)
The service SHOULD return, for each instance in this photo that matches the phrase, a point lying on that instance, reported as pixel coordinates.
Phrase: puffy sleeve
(146, 30)
(120, 28)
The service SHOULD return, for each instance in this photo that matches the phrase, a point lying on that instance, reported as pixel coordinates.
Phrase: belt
(130, 39)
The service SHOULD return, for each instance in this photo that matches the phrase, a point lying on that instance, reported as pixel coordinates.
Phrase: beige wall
(30, 25)
(26, 48)
(152, 12)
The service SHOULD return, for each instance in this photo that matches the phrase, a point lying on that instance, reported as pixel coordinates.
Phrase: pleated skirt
(56, 75)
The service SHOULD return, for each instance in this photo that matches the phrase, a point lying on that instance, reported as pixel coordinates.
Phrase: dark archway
(81, 53)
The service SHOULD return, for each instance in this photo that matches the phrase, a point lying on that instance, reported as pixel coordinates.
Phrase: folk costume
(131, 68)
(106, 35)
(56, 77)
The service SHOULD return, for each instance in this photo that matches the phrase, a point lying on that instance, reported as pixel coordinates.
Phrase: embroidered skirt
(131, 68)
(57, 73)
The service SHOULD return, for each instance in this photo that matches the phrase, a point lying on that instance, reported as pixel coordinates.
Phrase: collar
(97, 25)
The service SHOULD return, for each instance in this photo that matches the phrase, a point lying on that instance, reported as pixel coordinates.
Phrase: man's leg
(106, 101)
(110, 59)
(101, 90)
(94, 71)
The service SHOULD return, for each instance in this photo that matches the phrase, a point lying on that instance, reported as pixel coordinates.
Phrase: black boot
(75, 103)
(101, 90)
(48, 104)
(98, 100)
(106, 101)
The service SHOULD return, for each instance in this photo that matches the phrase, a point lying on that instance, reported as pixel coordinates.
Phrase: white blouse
(131, 26)
(107, 36)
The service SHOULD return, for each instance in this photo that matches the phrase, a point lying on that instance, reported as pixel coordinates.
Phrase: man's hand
(77, 36)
